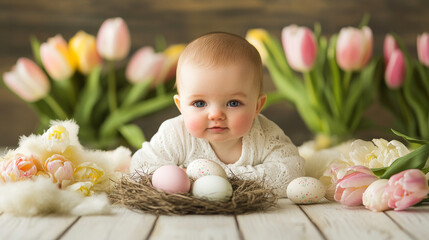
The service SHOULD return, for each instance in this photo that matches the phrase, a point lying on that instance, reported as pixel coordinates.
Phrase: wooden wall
(183, 20)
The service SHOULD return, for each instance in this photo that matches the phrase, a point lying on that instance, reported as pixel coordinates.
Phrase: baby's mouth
(217, 129)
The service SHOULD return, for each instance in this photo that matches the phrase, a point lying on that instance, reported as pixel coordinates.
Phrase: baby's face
(218, 103)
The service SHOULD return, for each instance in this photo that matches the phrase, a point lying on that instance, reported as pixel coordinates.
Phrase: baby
(220, 95)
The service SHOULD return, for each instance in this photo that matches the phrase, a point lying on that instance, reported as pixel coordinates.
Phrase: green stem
(160, 90)
(72, 92)
(311, 91)
(112, 87)
(347, 78)
(55, 107)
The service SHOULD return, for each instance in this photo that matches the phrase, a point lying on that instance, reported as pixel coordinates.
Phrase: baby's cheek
(242, 123)
(195, 126)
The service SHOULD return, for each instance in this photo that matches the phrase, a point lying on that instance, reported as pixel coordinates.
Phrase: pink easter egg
(171, 179)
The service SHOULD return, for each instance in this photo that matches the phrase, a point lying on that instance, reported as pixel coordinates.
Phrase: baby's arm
(277, 170)
(164, 148)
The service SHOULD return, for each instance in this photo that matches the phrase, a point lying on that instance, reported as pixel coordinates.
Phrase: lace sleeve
(164, 148)
(276, 159)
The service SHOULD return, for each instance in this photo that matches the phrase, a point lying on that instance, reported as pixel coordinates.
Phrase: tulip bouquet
(405, 91)
(398, 186)
(81, 80)
(330, 83)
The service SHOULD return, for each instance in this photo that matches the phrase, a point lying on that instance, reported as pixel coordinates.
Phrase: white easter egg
(204, 167)
(213, 188)
(305, 190)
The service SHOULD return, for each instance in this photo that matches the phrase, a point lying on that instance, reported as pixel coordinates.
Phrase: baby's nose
(216, 114)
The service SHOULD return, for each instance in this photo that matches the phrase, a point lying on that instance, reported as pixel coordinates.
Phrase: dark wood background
(180, 21)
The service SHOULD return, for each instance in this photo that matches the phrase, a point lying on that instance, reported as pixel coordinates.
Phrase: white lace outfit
(267, 153)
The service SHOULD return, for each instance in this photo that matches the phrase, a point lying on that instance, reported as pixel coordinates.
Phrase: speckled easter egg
(171, 179)
(305, 190)
(214, 188)
(204, 167)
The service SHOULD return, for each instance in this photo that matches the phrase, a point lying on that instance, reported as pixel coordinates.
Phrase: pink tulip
(57, 59)
(388, 47)
(395, 70)
(300, 47)
(113, 39)
(84, 50)
(423, 48)
(144, 65)
(60, 168)
(20, 167)
(373, 198)
(27, 80)
(351, 187)
(354, 48)
(406, 188)
(168, 70)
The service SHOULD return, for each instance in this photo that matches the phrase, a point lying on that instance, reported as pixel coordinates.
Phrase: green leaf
(35, 46)
(138, 91)
(88, 98)
(133, 134)
(410, 139)
(273, 98)
(413, 160)
(124, 115)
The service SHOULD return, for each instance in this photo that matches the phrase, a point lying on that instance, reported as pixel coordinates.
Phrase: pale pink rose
(373, 198)
(406, 188)
(423, 48)
(113, 39)
(389, 46)
(350, 188)
(60, 168)
(57, 59)
(395, 70)
(300, 47)
(27, 80)
(354, 48)
(20, 167)
(144, 65)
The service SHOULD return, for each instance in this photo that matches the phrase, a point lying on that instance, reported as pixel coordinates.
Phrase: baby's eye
(233, 103)
(199, 104)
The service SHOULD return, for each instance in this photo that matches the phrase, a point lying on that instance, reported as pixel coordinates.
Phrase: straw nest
(137, 193)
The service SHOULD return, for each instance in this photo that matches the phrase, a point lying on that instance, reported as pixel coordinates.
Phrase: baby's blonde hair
(221, 49)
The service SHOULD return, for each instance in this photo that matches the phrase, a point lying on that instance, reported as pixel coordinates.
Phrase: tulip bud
(406, 188)
(395, 70)
(300, 47)
(60, 168)
(169, 66)
(423, 48)
(56, 139)
(27, 80)
(373, 198)
(113, 39)
(83, 49)
(144, 65)
(388, 47)
(354, 48)
(351, 187)
(257, 37)
(57, 59)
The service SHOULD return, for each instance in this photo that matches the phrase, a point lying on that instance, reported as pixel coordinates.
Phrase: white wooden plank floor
(326, 220)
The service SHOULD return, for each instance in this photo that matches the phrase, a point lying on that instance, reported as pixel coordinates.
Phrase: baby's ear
(261, 102)
(177, 101)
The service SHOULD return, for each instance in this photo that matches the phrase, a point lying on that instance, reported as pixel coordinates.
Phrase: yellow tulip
(83, 49)
(257, 37)
(88, 171)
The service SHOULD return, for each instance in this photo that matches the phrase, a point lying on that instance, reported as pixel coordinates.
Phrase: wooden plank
(195, 227)
(286, 222)
(122, 224)
(29, 228)
(337, 221)
(413, 220)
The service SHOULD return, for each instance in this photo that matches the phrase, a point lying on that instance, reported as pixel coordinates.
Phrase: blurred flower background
(75, 26)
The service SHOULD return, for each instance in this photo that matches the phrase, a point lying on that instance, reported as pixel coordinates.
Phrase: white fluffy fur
(41, 196)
